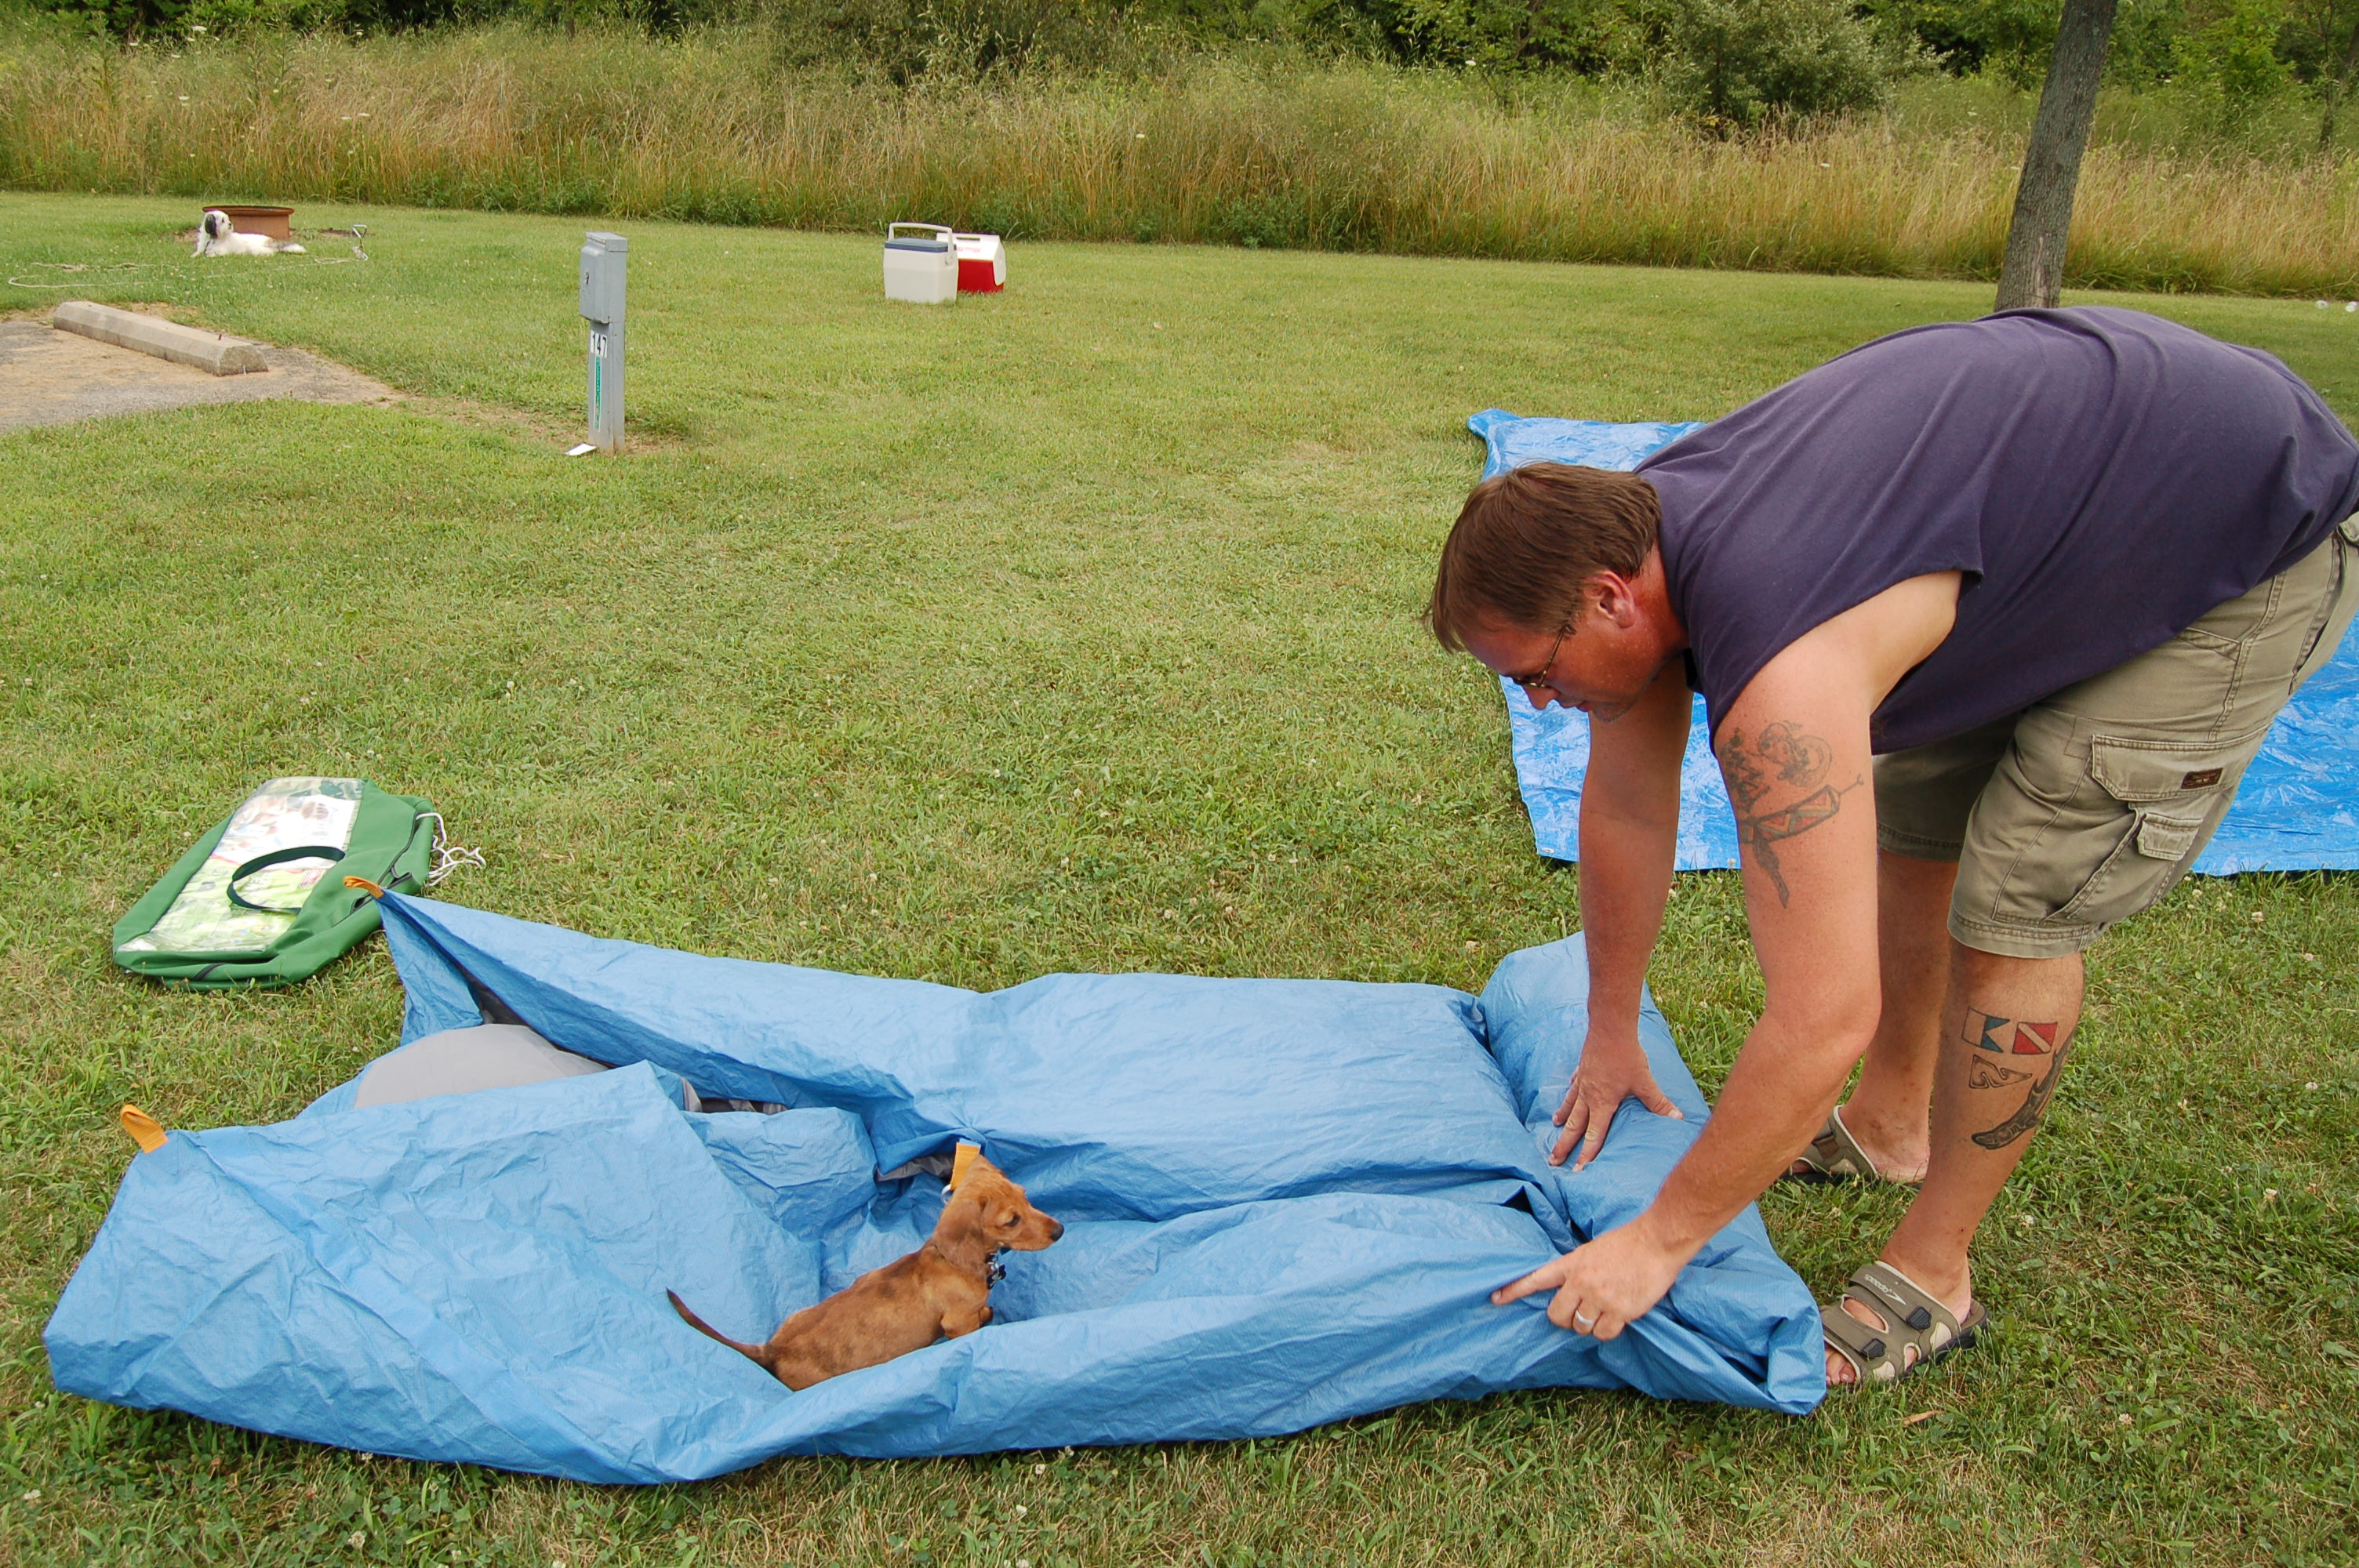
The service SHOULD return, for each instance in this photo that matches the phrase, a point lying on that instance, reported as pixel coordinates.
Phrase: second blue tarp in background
(2298, 808)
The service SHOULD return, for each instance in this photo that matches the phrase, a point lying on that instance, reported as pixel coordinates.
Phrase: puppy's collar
(994, 1271)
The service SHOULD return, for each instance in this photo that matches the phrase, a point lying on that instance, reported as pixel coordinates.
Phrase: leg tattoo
(1991, 1075)
(2009, 1038)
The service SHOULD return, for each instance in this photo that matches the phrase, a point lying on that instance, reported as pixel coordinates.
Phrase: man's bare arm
(1629, 835)
(1795, 750)
(1795, 753)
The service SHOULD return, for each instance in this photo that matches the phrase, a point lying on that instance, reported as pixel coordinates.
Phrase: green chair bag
(261, 900)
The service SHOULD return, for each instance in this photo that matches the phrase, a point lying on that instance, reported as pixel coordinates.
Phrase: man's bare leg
(2006, 1033)
(1888, 1112)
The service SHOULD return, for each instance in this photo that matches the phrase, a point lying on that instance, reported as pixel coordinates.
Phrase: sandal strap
(1907, 1304)
(1912, 1316)
(1860, 1343)
(1835, 1153)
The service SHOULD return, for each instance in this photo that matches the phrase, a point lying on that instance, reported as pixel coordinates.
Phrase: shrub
(2009, 39)
(961, 40)
(2231, 54)
(1736, 64)
(1588, 36)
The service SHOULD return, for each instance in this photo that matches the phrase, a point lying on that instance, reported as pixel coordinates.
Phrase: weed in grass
(1022, 636)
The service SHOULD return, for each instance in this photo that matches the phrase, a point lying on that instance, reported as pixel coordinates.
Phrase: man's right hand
(1613, 1069)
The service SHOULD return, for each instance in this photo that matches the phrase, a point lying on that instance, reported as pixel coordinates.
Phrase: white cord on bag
(449, 857)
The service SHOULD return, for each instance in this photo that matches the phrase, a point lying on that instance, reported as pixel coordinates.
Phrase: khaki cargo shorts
(2087, 807)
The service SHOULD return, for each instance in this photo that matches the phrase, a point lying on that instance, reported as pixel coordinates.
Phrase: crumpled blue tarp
(2298, 808)
(1285, 1201)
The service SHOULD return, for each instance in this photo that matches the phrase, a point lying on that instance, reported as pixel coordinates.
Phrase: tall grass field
(1293, 152)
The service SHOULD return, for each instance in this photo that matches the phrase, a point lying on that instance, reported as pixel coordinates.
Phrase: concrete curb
(165, 340)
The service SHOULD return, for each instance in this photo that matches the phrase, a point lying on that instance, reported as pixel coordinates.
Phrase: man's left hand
(1604, 1286)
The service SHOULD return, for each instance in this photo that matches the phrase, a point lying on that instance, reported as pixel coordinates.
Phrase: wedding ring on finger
(1583, 1322)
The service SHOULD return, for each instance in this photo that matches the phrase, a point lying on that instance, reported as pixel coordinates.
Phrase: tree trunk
(2033, 273)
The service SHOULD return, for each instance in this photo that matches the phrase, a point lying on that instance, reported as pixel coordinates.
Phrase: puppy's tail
(758, 1355)
(292, 250)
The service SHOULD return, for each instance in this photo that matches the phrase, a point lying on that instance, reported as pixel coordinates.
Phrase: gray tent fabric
(462, 1061)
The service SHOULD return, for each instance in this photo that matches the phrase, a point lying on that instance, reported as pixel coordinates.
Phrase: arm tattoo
(1798, 761)
(2011, 1040)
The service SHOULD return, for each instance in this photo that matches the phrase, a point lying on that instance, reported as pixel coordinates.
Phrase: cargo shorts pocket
(2167, 797)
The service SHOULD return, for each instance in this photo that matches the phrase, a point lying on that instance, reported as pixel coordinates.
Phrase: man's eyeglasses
(1536, 681)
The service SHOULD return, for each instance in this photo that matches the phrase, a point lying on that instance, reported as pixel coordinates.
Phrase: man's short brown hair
(1527, 539)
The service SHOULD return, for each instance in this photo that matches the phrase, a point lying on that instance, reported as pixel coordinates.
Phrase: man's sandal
(1834, 1155)
(1911, 1318)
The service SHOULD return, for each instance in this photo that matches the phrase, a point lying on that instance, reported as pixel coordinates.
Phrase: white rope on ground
(91, 266)
(359, 233)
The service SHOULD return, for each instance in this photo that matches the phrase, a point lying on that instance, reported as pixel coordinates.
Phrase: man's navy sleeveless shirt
(2102, 477)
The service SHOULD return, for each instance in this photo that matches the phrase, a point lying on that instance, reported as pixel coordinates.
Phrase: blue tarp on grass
(2298, 808)
(1285, 1201)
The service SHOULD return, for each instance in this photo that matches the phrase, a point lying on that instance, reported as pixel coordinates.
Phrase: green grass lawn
(1070, 629)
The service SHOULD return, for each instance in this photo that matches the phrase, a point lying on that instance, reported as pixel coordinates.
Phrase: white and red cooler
(982, 263)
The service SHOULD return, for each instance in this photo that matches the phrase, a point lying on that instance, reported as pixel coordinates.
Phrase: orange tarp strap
(145, 1130)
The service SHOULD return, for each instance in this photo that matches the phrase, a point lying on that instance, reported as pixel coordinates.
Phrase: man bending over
(1988, 618)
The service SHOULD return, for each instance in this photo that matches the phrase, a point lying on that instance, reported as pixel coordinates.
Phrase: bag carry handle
(277, 857)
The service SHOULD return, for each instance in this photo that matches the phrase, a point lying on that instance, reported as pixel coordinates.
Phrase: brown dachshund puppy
(941, 1290)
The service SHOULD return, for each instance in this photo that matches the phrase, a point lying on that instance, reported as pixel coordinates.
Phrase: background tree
(2033, 271)
(2323, 39)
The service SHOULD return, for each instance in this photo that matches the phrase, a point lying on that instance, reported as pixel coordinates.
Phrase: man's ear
(1613, 596)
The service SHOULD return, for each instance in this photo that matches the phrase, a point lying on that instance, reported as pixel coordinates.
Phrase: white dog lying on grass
(217, 238)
